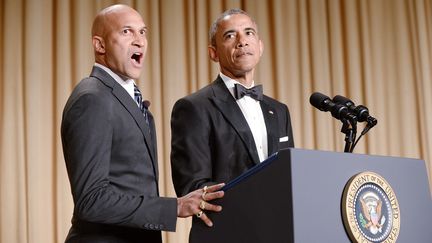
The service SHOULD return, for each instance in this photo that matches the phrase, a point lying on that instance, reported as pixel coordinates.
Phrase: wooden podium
(296, 196)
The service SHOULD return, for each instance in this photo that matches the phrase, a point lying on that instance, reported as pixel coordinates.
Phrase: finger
(202, 205)
(214, 188)
(212, 207)
(206, 220)
(213, 195)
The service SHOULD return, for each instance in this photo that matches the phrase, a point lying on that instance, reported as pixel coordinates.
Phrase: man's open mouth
(137, 57)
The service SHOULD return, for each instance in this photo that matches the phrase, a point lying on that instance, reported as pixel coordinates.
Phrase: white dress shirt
(251, 110)
(128, 84)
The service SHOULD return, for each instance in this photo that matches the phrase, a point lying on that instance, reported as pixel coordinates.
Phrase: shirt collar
(115, 76)
(127, 84)
(230, 83)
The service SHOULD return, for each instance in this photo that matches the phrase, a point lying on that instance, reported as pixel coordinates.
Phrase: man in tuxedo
(227, 127)
(109, 144)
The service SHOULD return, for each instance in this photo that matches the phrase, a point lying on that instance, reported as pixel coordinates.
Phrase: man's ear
(98, 44)
(212, 53)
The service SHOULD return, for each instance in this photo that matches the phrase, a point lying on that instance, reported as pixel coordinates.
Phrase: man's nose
(242, 41)
(139, 40)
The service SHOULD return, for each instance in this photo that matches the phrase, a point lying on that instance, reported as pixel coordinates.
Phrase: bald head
(119, 40)
(103, 19)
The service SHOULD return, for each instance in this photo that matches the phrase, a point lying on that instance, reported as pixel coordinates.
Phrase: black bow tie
(255, 92)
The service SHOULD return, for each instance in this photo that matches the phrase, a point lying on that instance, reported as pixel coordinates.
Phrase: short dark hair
(215, 24)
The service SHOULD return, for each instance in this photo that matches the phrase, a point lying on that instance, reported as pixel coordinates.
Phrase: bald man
(109, 144)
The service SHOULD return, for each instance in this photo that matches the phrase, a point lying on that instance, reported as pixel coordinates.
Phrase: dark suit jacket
(212, 141)
(111, 161)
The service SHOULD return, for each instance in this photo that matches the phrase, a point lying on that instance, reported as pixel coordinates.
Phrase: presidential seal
(370, 209)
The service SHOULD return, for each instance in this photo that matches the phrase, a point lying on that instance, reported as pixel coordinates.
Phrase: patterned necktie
(255, 92)
(142, 106)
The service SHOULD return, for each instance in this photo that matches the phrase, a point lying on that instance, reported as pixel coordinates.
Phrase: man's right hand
(196, 203)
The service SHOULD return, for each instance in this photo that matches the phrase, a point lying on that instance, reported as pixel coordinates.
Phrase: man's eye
(126, 31)
(142, 32)
(229, 36)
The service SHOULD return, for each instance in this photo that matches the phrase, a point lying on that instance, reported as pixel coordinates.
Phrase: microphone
(360, 111)
(146, 104)
(324, 103)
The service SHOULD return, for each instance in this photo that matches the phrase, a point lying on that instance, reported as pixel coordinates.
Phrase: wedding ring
(199, 214)
(203, 196)
(205, 189)
(202, 205)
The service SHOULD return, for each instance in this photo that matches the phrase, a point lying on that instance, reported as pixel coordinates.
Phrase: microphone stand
(371, 122)
(349, 128)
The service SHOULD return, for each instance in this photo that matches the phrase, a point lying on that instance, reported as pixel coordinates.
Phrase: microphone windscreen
(317, 100)
(340, 99)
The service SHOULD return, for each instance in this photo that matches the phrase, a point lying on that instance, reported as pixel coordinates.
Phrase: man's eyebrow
(145, 28)
(228, 32)
(250, 29)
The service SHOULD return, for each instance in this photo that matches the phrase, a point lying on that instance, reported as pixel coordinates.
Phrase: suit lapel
(154, 141)
(226, 104)
(129, 104)
(271, 121)
(121, 94)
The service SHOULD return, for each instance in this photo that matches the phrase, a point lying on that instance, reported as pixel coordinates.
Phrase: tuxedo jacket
(211, 139)
(111, 160)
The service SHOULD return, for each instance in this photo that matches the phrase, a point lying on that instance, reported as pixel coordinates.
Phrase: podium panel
(297, 196)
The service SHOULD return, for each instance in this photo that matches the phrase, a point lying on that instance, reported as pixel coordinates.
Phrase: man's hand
(196, 202)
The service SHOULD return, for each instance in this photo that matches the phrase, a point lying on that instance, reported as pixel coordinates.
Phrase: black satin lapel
(272, 126)
(226, 104)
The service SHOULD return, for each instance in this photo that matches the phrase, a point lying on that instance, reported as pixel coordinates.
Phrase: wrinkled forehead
(124, 18)
(116, 18)
(236, 22)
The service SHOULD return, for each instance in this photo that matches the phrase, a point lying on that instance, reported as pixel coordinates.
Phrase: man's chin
(245, 64)
(134, 74)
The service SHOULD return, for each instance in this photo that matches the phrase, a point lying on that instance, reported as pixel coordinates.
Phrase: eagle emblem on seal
(370, 216)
